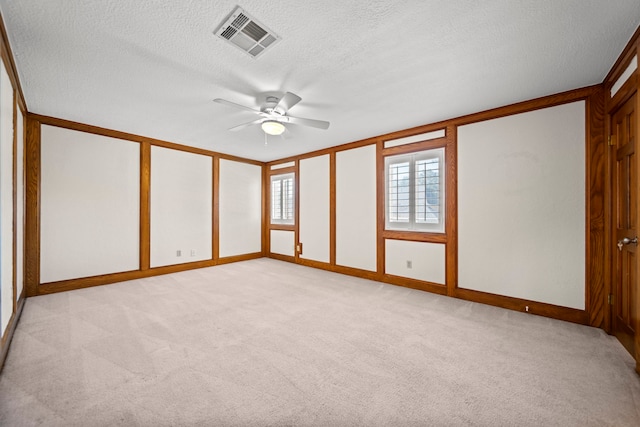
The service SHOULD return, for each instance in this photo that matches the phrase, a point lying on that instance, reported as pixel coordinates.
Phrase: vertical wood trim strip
(637, 302)
(451, 203)
(296, 237)
(266, 235)
(595, 297)
(216, 209)
(332, 208)
(32, 210)
(22, 116)
(380, 214)
(14, 177)
(145, 206)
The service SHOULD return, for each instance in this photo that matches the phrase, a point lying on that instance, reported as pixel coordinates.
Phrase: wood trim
(624, 93)
(266, 234)
(526, 106)
(413, 236)
(329, 150)
(14, 202)
(32, 208)
(286, 227)
(315, 264)
(380, 209)
(296, 225)
(145, 206)
(52, 121)
(415, 146)
(215, 230)
(105, 279)
(517, 304)
(10, 65)
(622, 62)
(283, 171)
(451, 210)
(281, 257)
(5, 342)
(332, 208)
(407, 282)
(238, 258)
(595, 297)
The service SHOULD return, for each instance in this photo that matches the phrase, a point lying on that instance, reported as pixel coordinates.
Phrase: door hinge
(610, 299)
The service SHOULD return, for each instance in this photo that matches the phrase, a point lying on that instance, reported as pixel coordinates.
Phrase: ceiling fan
(273, 114)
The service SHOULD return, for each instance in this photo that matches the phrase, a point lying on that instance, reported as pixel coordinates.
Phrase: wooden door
(625, 214)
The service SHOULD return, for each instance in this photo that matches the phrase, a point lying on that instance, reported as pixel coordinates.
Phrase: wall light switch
(409, 264)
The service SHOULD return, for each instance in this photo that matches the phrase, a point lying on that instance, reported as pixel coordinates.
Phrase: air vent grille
(246, 33)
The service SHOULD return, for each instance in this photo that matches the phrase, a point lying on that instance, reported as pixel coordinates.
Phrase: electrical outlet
(409, 264)
(193, 252)
(178, 252)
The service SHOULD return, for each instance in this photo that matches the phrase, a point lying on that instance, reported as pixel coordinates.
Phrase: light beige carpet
(268, 343)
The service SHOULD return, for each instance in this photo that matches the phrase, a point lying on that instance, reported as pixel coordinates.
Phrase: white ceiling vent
(243, 31)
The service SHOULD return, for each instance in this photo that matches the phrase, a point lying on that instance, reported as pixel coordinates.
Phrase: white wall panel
(181, 207)
(427, 260)
(356, 208)
(314, 208)
(90, 204)
(283, 242)
(6, 199)
(521, 205)
(240, 201)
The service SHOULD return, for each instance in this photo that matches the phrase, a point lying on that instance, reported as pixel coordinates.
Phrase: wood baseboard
(5, 343)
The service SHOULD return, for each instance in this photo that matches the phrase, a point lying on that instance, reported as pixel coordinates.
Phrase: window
(282, 199)
(415, 191)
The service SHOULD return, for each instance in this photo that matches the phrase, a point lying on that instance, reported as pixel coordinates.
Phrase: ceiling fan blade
(233, 104)
(244, 125)
(286, 102)
(320, 124)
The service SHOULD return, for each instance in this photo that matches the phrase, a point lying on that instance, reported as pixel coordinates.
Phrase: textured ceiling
(368, 66)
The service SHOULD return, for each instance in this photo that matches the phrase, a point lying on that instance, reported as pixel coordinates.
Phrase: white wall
(240, 201)
(283, 242)
(356, 208)
(314, 208)
(181, 203)
(427, 260)
(521, 205)
(90, 204)
(6, 199)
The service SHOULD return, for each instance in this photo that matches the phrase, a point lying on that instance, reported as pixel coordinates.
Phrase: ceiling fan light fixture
(272, 127)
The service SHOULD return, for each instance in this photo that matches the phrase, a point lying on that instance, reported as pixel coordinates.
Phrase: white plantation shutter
(282, 199)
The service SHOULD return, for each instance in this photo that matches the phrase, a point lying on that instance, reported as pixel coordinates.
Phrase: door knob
(626, 241)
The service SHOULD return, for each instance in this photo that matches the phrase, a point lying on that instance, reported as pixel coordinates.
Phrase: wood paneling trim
(266, 234)
(145, 206)
(238, 258)
(52, 121)
(215, 231)
(105, 279)
(380, 208)
(286, 227)
(416, 146)
(623, 60)
(624, 93)
(32, 209)
(329, 150)
(291, 169)
(10, 65)
(414, 284)
(517, 304)
(14, 202)
(595, 296)
(332, 208)
(525, 106)
(451, 210)
(414, 236)
(281, 257)
(5, 342)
